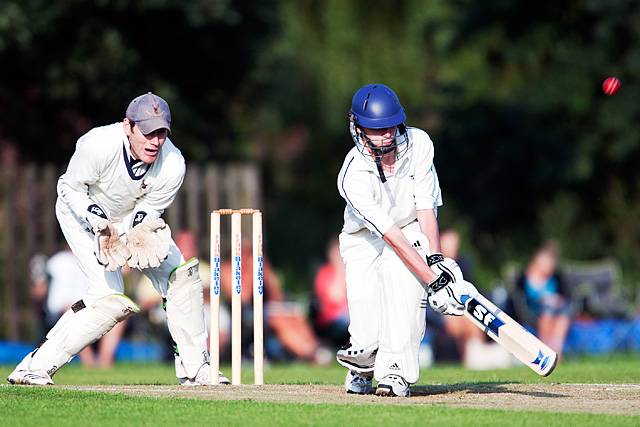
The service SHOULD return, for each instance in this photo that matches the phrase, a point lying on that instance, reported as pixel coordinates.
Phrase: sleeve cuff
(384, 226)
(427, 203)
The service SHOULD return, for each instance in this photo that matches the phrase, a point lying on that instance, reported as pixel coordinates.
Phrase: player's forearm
(409, 256)
(429, 227)
(78, 201)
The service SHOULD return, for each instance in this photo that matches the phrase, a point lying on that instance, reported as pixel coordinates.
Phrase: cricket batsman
(119, 181)
(390, 245)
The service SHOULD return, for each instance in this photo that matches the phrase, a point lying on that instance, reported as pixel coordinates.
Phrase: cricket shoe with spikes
(202, 378)
(393, 385)
(23, 377)
(358, 382)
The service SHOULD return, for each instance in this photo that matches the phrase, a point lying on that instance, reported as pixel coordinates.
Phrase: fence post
(9, 249)
(192, 196)
(48, 211)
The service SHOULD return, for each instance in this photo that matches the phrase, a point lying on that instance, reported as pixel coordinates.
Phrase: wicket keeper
(119, 181)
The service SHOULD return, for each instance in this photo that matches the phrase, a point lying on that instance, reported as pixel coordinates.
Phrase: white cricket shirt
(103, 172)
(374, 205)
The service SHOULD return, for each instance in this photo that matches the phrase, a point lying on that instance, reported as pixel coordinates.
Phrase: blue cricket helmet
(376, 106)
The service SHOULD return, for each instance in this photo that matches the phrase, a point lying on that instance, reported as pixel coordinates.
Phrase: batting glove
(449, 292)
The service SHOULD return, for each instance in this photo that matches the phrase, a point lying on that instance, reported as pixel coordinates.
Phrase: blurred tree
(70, 65)
(527, 146)
(509, 92)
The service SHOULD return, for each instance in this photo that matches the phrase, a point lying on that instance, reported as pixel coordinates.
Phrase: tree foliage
(527, 146)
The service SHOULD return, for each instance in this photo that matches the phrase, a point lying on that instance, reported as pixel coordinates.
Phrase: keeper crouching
(119, 181)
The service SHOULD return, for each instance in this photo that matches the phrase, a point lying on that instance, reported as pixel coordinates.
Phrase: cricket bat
(511, 335)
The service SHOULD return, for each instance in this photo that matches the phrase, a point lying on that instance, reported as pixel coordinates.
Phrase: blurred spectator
(450, 247)
(331, 313)
(475, 350)
(38, 292)
(67, 285)
(288, 334)
(543, 291)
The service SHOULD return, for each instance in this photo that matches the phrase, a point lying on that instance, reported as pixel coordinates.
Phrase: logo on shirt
(146, 183)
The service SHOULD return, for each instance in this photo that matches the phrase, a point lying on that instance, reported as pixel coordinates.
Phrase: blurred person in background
(542, 290)
(288, 333)
(38, 293)
(331, 316)
(475, 350)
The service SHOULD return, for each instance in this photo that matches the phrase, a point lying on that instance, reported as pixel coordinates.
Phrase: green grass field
(55, 406)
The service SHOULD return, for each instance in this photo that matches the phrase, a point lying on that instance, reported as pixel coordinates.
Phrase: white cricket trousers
(387, 304)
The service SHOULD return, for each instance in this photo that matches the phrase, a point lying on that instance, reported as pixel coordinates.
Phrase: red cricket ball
(611, 85)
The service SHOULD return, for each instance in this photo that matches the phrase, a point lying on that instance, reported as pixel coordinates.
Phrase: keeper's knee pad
(185, 318)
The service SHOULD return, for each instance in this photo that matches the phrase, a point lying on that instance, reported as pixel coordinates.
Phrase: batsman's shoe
(357, 359)
(23, 377)
(202, 378)
(393, 385)
(358, 383)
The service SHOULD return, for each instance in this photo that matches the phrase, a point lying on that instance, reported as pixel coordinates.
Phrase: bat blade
(525, 346)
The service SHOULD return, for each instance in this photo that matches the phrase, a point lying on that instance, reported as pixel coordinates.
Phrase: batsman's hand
(110, 248)
(449, 292)
(149, 243)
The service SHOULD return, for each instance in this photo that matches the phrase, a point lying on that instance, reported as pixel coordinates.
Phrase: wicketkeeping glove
(149, 243)
(110, 248)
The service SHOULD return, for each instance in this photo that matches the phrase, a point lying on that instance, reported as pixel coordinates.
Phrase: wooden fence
(28, 224)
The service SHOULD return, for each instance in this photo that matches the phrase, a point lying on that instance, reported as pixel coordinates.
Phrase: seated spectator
(475, 350)
(331, 317)
(288, 334)
(543, 291)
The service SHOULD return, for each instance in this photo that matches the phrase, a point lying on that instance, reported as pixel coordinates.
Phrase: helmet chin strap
(378, 152)
(380, 170)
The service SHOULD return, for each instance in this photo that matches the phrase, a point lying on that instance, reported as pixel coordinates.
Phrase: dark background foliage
(527, 146)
